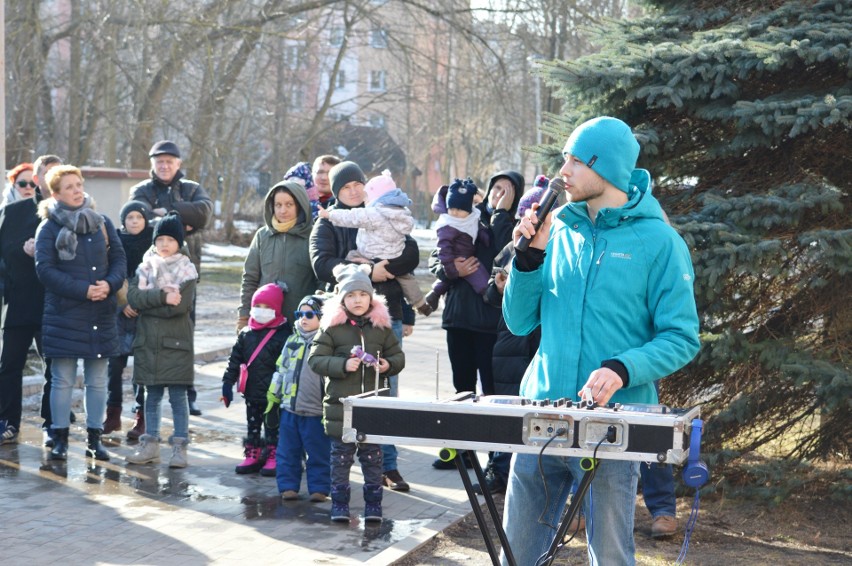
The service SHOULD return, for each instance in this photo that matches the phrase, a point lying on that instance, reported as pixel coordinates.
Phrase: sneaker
(393, 480)
(663, 526)
(319, 497)
(289, 495)
(8, 433)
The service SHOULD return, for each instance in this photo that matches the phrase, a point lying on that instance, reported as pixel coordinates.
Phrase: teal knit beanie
(607, 146)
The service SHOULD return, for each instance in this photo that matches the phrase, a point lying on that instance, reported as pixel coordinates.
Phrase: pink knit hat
(379, 185)
(271, 295)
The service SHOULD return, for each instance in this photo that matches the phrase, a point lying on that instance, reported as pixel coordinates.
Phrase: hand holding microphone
(545, 206)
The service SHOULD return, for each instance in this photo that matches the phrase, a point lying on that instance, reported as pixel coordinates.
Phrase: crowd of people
(327, 296)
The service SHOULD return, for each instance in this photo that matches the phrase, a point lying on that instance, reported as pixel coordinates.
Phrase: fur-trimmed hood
(335, 314)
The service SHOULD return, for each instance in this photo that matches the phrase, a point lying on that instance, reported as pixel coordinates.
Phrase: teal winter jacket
(620, 288)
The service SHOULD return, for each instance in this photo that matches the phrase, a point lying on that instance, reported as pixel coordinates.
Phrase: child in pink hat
(382, 225)
(251, 365)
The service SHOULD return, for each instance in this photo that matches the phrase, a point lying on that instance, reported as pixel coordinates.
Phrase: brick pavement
(110, 513)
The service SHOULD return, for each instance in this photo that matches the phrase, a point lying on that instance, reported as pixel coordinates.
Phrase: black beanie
(135, 206)
(345, 172)
(170, 225)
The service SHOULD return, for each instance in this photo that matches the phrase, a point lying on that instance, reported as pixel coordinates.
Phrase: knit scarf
(135, 247)
(80, 220)
(165, 273)
(282, 226)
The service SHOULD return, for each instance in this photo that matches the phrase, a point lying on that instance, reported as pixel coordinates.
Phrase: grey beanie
(345, 172)
(353, 277)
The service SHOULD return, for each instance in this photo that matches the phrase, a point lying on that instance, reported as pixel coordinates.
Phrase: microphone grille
(557, 184)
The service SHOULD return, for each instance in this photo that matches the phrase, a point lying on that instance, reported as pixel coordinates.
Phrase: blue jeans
(389, 451)
(658, 489)
(608, 507)
(64, 376)
(180, 409)
(299, 434)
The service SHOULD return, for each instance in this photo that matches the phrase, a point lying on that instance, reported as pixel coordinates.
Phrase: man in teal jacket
(611, 284)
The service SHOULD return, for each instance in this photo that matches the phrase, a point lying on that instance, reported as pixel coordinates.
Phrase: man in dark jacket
(23, 297)
(168, 190)
(329, 246)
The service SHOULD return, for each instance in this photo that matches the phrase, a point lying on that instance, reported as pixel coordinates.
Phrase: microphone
(546, 204)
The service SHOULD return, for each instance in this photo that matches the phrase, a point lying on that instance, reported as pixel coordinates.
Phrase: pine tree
(744, 113)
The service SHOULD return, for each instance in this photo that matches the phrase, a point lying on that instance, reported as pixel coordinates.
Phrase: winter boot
(373, 502)
(147, 452)
(178, 459)
(253, 460)
(340, 503)
(113, 419)
(60, 444)
(269, 467)
(138, 428)
(192, 395)
(94, 448)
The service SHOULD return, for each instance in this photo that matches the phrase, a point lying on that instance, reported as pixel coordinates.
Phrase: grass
(227, 272)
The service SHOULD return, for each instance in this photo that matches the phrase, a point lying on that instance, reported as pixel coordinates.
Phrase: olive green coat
(163, 352)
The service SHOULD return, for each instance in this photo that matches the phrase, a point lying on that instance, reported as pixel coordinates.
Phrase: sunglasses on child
(23, 184)
(307, 314)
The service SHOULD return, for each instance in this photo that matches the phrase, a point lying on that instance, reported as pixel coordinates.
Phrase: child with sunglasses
(298, 390)
(251, 364)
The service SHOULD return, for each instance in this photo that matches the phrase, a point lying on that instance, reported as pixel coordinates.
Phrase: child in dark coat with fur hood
(354, 317)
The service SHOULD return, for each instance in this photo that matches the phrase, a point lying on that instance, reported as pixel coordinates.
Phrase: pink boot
(268, 468)
(253, 460)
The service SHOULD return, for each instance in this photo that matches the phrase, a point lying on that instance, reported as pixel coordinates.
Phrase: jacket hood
(517, 180)
(395, 197)
(334, 314)
(304, 222)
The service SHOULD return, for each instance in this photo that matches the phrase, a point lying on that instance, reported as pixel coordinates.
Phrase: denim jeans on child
(64, 376)
(608, 507)
(180, 409)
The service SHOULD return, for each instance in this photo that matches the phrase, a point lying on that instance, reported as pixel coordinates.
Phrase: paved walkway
(82, 512)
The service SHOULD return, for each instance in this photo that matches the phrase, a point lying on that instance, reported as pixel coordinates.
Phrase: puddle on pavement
(212, 491)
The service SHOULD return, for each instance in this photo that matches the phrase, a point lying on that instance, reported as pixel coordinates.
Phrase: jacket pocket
(176, 343)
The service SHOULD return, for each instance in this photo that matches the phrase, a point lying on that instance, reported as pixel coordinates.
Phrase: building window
(292, 56)
(341, 79)
(378, 38)
(297, 98)
(377, 81)
(377, 121)
(335, 36)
